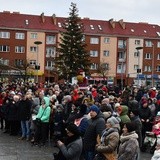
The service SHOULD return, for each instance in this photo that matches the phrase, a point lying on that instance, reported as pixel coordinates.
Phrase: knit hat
(95, 109)
(144, 101)
(117, 105)
(73, 129)
(113, 121)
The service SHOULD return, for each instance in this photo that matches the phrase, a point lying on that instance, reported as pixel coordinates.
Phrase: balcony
(49, 68)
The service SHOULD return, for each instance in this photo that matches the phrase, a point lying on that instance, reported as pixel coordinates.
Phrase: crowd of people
(98, 123)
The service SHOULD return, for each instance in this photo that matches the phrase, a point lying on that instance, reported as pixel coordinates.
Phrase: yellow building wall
(132, 60)
(41, 51)
(111, 46)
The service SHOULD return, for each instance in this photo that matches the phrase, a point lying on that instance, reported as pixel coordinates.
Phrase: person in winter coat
(41, 132)
(134, 116)
(24, 114)
(129, 148)
(109, 140)
(122, 112)
(59, 122)
(145, 116)
(13, 116)
(95, 127)
(71, 149)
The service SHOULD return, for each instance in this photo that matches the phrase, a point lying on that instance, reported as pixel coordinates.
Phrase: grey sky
(128, 10)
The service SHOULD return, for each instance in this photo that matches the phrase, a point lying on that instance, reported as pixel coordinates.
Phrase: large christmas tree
(72, 48)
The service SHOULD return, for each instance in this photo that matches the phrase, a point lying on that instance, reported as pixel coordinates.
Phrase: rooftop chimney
(112, 23)
(54, 19)
(16, 12)
(42, 16)
(122, 24)
(6, 11)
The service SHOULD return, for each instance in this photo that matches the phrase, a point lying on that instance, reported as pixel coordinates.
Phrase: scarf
(125, 137)
(107, 132)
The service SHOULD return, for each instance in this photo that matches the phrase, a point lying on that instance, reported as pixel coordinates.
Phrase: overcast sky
(128, 10)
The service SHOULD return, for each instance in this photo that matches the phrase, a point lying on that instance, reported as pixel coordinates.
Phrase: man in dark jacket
(24, 114)
(95, 127)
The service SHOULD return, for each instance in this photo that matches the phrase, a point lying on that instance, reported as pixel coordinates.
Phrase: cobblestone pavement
(13, 149)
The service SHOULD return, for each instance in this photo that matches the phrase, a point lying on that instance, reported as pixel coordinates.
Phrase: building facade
(130, 52)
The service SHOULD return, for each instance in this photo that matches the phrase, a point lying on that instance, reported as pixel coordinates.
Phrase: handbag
(38, 121)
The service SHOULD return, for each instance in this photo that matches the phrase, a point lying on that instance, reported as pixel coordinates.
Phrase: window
(94, 40)
(106, 40)
(50, 52)
(94, 53)
(158, 68)
(158, 56)
(119, 68)
(5, 35)
(92, 27)
(136, 67)
(19, 62)
(105, 66)
(148, 43)
(121, 44)
(137, 42)
(50, 63)
(105, 53)
(50, 40)
(94, 66)
(136, 54)
(19, 49)
(33, 49)
(20, 36)
(147, 68)
(34, 35)
(59, 24)
(148, 56)
(32, 62)
(158, 44)
(121, 55)
(6, 61)
(4, 48)
(100, 28)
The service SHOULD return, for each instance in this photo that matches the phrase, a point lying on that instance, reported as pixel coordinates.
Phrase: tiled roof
(22, 21)
(101, 27)
(97, 27)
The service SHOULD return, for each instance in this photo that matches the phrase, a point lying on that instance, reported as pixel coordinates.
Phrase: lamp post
(37, 67)
(152, 65)
(138, 69)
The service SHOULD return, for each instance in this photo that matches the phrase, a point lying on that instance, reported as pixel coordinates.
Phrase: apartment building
(123, 47)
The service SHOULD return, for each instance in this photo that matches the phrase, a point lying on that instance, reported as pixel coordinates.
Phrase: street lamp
(152, 65)
(138, 69)
(37, 67)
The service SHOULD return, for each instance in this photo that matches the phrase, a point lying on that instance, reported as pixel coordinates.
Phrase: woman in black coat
(13, 116)
(145, 117)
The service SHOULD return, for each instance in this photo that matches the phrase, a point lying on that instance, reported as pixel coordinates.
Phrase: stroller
(150, 140)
